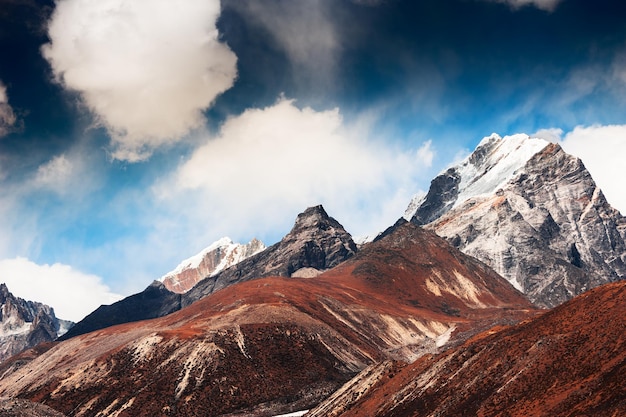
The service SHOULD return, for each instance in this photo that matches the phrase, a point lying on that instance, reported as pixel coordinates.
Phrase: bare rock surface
(23, 408)
(24, 324)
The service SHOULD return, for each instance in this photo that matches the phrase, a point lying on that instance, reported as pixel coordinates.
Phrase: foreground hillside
(277, 344)
(570, 361)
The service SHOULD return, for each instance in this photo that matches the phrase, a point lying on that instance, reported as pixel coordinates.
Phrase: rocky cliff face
(24, 324)
(274, 345)
(567, 362)
(315, 243)
(533, 213)
(211, 261)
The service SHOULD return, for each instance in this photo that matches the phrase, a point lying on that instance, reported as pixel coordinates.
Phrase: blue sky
(135, 133)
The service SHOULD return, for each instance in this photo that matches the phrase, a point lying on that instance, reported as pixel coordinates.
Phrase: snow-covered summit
(212, 260)
(493, 164)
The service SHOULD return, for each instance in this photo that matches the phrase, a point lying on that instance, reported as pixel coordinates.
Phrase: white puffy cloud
(146, 69)
(547, 5)
(7, 116)
(268, 164)
(72, 293)
(602, 150)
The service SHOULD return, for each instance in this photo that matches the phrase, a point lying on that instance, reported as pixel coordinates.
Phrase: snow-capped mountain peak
(494, 162)
(213, 259)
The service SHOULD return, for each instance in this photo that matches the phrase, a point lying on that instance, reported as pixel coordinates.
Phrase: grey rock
(25, 324)
(548, 229)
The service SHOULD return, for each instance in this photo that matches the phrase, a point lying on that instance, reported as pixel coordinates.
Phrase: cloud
(266, 165)
(547, 5)
(305, 30)
(146, 69)
(602, 150)
(56, 285)
(7, 116)
(55, 173)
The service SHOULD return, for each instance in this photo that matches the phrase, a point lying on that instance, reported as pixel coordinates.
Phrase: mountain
(315, 243)
(570, 361)
(24, 324)
(210, 261)
(277, 344)
(533, 213)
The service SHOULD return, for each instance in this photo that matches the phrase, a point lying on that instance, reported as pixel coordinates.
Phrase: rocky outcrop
(211, 261)
(275, 345)
(534, 214)
(567, 362)
(23, 408)
(315, 243)
(24, 324)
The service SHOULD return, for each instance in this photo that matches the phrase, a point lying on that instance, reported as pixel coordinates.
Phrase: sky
(134, 133)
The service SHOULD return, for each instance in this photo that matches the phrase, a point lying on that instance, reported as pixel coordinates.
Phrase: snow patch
(196, 260)
(295, 414)
(484, 175)
(444, 338)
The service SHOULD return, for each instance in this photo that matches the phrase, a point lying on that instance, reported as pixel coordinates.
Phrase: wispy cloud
(547, 5)
(304, 30)
(57, 286)
(7, 115)
(146, 70)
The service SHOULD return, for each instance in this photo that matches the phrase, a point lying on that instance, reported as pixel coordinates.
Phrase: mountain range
(467, 305)
(276, 344)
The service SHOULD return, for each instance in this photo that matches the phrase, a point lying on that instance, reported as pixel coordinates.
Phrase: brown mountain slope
(570, 361)
(275, 345)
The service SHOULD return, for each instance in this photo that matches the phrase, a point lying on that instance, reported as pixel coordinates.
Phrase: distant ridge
(316, 242)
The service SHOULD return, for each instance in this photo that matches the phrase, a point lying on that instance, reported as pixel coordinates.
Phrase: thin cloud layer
(56, 285)
(268, 164)
(7, 116)
(146, 70)
(547, 5)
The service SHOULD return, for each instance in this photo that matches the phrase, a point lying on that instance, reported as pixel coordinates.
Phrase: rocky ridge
(569, 361)
(217, 257)
(316, 243)
(24, 324)
(541, 222)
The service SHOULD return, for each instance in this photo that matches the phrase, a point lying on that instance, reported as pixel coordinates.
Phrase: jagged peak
(493, 163)
(313, 219)
(311, 216)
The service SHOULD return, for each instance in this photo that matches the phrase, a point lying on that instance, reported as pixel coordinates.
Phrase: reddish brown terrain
(570, 361)
(275, 345)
